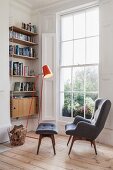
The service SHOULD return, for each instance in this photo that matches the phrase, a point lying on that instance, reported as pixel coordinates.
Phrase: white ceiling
(38, 3)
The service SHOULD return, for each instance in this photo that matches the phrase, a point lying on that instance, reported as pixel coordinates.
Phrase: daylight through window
(79, 62)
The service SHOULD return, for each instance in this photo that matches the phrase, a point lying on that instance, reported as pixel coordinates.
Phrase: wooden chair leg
(40, 138)
(53, 142)
(94, 144)
(69, 140)
(73, 139)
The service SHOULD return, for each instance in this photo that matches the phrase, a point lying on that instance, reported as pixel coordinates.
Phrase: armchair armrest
(87, 130)
(80, 118)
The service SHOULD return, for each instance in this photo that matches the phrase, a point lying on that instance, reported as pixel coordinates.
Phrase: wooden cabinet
(20, 107)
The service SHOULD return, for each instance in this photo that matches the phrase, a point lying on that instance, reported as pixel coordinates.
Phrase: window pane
(78, 104)
(92, 22)
(91, 78)
(78, 79)
(79, 25)
(89, 104)
(65, 79)
(92, 50)
(65, 104)
(67, 28)
(79, 51)
(67, 53)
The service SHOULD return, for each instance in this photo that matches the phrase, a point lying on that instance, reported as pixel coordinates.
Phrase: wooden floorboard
(82, 156)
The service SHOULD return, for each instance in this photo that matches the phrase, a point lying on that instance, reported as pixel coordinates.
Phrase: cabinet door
(15, 112)
(34, 108)
(20, 107)
(26, 106)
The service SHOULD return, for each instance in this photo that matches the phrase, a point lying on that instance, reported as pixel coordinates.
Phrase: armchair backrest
(102, 108)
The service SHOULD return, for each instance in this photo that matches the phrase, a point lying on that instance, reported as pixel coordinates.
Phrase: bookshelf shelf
(24, 91)
(22, 42)
(22, 76)
(23, 57)
(23, 31)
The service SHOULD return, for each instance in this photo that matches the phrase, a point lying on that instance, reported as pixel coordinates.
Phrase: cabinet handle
(14, 108)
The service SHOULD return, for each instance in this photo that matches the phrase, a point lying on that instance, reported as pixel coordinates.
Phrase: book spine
(15, 68)
(22, 69)
(11, 68)
(17, 49)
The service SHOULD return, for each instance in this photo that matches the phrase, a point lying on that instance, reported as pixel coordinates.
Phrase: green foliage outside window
(82, 103)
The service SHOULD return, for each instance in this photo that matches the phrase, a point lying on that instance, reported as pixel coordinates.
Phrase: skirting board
(4, 134)
(106, 137)
(4, 148)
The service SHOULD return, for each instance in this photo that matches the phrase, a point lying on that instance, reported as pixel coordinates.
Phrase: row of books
(24, 86)
(20, 36)
(25, 51)
(17, 68)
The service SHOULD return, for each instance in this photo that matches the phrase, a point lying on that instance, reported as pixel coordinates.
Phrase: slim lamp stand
(46, 74)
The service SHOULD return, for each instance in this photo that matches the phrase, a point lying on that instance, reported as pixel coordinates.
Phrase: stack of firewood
(17, 135)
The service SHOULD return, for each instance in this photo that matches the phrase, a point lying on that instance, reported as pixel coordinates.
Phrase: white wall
(11, 13)
(4, 70)
(18, 14)
(48, 25)
(106, 64)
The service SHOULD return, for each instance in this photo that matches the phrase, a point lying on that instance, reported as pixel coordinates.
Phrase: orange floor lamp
(46, 73)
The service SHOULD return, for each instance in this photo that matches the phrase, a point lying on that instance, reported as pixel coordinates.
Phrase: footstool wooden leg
(53, 142)
(40, 138)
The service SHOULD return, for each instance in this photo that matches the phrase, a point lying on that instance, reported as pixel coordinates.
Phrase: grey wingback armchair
(89, 129)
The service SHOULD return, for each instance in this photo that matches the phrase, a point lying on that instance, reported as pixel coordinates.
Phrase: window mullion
(85, 70)
(72, 71)
(72, 92)
(79, 65)
(84, 91)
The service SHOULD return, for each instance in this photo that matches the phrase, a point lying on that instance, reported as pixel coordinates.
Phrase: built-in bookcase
(23, 53)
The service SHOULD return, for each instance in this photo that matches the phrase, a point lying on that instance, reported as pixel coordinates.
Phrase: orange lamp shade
(47, 71)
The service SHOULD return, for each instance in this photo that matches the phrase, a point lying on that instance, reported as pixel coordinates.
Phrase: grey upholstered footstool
(46, 130)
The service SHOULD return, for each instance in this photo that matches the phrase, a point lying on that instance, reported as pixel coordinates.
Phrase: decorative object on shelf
(29, 27)
(26, 71)
(32, 72)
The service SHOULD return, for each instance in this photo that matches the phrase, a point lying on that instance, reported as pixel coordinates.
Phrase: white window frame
(58, 53)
